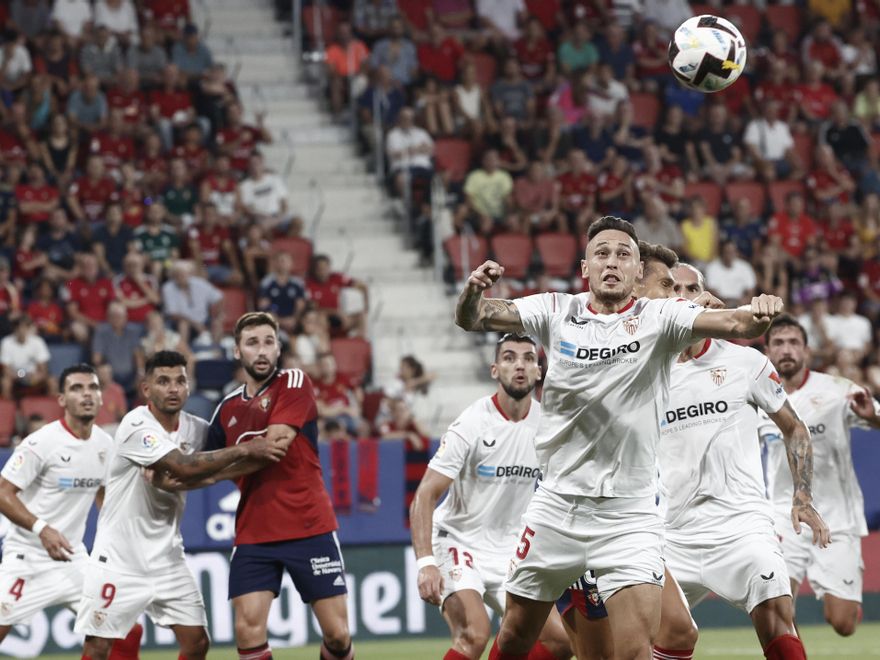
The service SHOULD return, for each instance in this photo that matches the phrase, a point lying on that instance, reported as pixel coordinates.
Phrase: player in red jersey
(285, 520)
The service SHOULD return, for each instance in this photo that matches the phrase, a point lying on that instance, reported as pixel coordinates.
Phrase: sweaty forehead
(612, 238)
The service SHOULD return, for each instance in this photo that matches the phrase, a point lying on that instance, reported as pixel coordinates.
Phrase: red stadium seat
(486, 68)
(699, 9)
(298, 248)
(45, 406)
(325, 18)
(465, 252)
(709, 192)
(753, 191)
(353, 357)
(7, 421)
(646, 109)
(235, 303)
(453, 155)
(371, 404)
(515, 252)
(779, 190)
(785, 17)
(805, 148)
(747, 18)
(558, 253)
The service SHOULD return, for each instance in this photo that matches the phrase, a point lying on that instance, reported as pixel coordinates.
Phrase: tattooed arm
(476, 313)
(799, 450)
(186, 467)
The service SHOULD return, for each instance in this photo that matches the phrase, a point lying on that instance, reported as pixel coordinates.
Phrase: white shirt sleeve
(23, 466)
(677, 318)
(41, 350)
(765, 390)
(751, 135)
(452, 454)
(536, 311)
(145, 447)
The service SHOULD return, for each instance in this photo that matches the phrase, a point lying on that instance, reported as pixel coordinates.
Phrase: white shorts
(745, 571)
(112, 602)
(619, 539)
(464, 567)
(835, 570)
(28, 587)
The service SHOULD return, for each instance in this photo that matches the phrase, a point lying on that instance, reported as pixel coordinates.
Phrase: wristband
(427, 560)
(39, 526)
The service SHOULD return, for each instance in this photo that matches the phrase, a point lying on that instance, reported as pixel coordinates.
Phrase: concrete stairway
(410, 311)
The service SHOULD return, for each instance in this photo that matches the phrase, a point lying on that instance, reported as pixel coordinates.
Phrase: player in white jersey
(719, 528)
(47, 488)
(487, 462)
(830, 406)
(608, 355)
(137, 562)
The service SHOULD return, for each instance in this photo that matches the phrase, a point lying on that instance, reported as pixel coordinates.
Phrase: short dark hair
(81, 368)
(607, 222)
(515, 338)
(657, 252)
(786, 321)
(161, 359)
(252, 319)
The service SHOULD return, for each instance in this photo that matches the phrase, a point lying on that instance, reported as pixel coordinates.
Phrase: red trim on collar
(501, 410)
(68, 429)
(806, 376)
(632, 301)
(705, 348)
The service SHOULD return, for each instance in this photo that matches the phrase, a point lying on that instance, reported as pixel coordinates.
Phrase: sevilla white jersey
(605, 373)
(822, 402)
(59, 475)
(494, 467)
(139, 526)
(710, 457)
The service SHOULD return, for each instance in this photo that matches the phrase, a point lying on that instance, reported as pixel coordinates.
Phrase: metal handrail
(317, 191)
(297, 30)
(438, 205)
(379, 139)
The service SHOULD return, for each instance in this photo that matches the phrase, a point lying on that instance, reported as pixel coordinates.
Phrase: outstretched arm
(476, 313)
(799, 450)
(433, 485)
(746, 322)
(190, 467)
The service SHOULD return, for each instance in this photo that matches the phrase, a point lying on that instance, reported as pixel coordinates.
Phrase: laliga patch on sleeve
(150, 441)
(17, 462)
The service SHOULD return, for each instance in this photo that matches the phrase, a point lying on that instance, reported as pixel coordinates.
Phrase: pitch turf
(715, 644)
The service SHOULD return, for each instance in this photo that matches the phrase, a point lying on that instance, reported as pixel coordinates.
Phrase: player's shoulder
(474, 418)
(137, 420)
(100, 436)
(45, 439)
(225, 402)
(194, 422)
(819, 380)
(291, 379)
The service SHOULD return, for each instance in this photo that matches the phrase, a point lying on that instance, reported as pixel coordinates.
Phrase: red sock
(497, 654)
(540, 652)
(261, 652)
(452, 654)
(666, 654)
(128, 648)
(86, 657)
(785, 647)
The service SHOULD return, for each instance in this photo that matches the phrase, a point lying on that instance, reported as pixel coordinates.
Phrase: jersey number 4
(17, 588)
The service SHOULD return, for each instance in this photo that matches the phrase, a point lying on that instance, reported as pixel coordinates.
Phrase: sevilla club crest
(631, 324)
(718, 375)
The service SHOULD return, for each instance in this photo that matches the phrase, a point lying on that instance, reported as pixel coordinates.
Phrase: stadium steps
(410, 312)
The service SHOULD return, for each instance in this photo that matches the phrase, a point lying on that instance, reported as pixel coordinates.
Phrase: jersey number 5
(524, 543)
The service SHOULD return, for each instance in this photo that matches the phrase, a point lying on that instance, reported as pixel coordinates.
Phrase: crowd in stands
(137, 214)
(542, 115)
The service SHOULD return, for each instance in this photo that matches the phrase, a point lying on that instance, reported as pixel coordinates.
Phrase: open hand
(807, 514)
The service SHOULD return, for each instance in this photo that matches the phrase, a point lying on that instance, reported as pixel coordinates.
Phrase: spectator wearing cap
(792, 228)
(120, 18)
(192, 304)
(283, 294)
(89, 195)
(148, 58)
(264, 197)
(113, 240)
(157, 241)
(117, 342)
(344, 59)
(73, 18)
(15, 64)
(101, 56)
(770, 145)
(10, 300)
(24, 356)
(211, 248)
(410, 150)
(397, 53)
(87, 106)
(191, 56)
(87, 297)
(136, 290)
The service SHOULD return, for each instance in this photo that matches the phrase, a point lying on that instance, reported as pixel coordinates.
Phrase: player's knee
(197, 647)
(337, 638)
(844, 624)
(249, 630)
(682, 634)
(473, 639)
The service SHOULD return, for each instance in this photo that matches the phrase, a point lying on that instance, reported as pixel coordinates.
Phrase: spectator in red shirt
(18, 124)
(533, 51)
(192, 152)
(869, 284)
(36, 199)
(575, 191)
(533, 196)
(837, 229)
(663, 179)
(87, 297)
(220, 188)
(777, 86)
(652, 67)
(152, 165)
(135, 289)
(171, 106)
(440, 56)
(814, 97)
(324, 288)
(131, 197)
(239, 140)
(211, 248)
(548, 12)
(823, 47)
(10, 300)
(113, 145)
(615, 187)
(89, 195)
(169, 16)
(402, 425)
(128, 98)
(46, 313)
(337, 398)
(28, 262)
(793, 229)
(829, 183)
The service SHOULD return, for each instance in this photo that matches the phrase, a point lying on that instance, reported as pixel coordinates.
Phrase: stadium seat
(515, 252)
(316, 17)
(779, 191)
(62, 356)
(747, 18)
(7, 421)
(486, 66)
(298, 248)
(465, 252)
(805, 147)
(753, 191)
(235, 303)
(785, 17)
(214, 374)
(558, 253)
(453, 155)
(353, 357)
(709, 192)
(371, 404)
(646, 109)
(45, 406)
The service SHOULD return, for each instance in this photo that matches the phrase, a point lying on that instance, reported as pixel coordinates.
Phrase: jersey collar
(704, 349)
(806, 377)
(504, 414)
(632, 301)
(268, 381)
(68, 429)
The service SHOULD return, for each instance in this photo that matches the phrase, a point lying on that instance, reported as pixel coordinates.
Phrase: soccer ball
(707, 53)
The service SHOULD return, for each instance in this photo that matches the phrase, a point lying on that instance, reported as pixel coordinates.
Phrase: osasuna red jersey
(286, 500)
